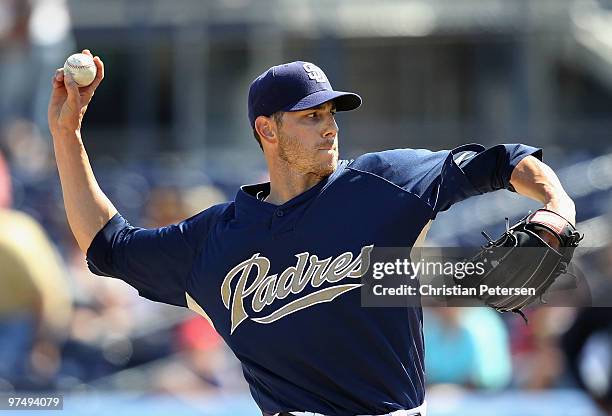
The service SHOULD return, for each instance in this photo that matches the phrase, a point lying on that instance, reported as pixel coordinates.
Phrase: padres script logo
(309, 270)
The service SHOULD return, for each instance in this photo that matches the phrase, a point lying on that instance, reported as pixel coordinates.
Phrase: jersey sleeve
(446, 177)
(156, 262)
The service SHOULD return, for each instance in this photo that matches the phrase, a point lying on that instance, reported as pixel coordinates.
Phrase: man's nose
(331, 127)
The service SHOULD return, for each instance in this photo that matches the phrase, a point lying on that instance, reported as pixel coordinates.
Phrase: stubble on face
(306, 159)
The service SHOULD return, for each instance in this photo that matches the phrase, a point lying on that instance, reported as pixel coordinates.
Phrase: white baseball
(82, 68)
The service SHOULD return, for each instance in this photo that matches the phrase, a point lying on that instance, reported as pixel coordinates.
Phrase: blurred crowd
(62, 328)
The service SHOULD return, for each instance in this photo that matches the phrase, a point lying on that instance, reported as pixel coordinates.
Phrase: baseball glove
(521, 259)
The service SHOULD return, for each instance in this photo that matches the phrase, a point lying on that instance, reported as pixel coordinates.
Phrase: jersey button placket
(281, 223)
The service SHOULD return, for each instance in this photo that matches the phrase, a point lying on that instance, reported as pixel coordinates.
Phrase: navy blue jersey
(280, 283)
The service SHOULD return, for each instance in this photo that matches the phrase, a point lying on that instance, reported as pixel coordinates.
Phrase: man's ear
(265, 129)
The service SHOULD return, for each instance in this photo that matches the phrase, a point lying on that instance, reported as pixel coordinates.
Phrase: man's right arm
(88, 209)
(156, 262)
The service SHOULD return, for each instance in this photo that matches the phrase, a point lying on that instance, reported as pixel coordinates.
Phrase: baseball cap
(295, 86)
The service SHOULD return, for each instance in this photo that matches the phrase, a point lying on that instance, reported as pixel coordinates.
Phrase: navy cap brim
(345, 101)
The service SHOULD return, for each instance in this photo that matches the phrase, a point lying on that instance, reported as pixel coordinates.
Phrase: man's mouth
(328, 146)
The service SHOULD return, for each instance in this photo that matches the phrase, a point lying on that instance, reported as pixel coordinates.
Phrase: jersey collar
(247, 203)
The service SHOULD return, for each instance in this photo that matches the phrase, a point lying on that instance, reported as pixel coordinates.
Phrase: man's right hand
(68, 102)
(87, 207)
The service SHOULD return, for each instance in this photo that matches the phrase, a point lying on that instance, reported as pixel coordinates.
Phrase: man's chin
(329, 167)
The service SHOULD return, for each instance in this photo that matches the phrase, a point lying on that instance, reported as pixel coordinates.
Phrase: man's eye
(312, 115)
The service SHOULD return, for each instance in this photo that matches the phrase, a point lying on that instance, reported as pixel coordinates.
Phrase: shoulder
(379, 161)
(406, 168)
(208, 217)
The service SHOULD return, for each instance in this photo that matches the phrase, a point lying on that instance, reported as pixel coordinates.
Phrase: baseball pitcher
(277, 270)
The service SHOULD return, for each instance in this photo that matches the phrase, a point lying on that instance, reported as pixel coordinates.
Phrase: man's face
(308, 140)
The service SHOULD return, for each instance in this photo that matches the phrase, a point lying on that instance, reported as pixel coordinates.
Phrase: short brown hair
(278, 119)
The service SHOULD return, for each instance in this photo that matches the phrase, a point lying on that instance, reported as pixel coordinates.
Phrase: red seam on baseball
(79, 66)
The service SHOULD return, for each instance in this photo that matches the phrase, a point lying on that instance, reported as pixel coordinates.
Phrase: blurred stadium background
(168, 136)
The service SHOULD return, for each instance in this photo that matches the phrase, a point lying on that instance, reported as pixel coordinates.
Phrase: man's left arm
(446, 177)
(536, 180)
